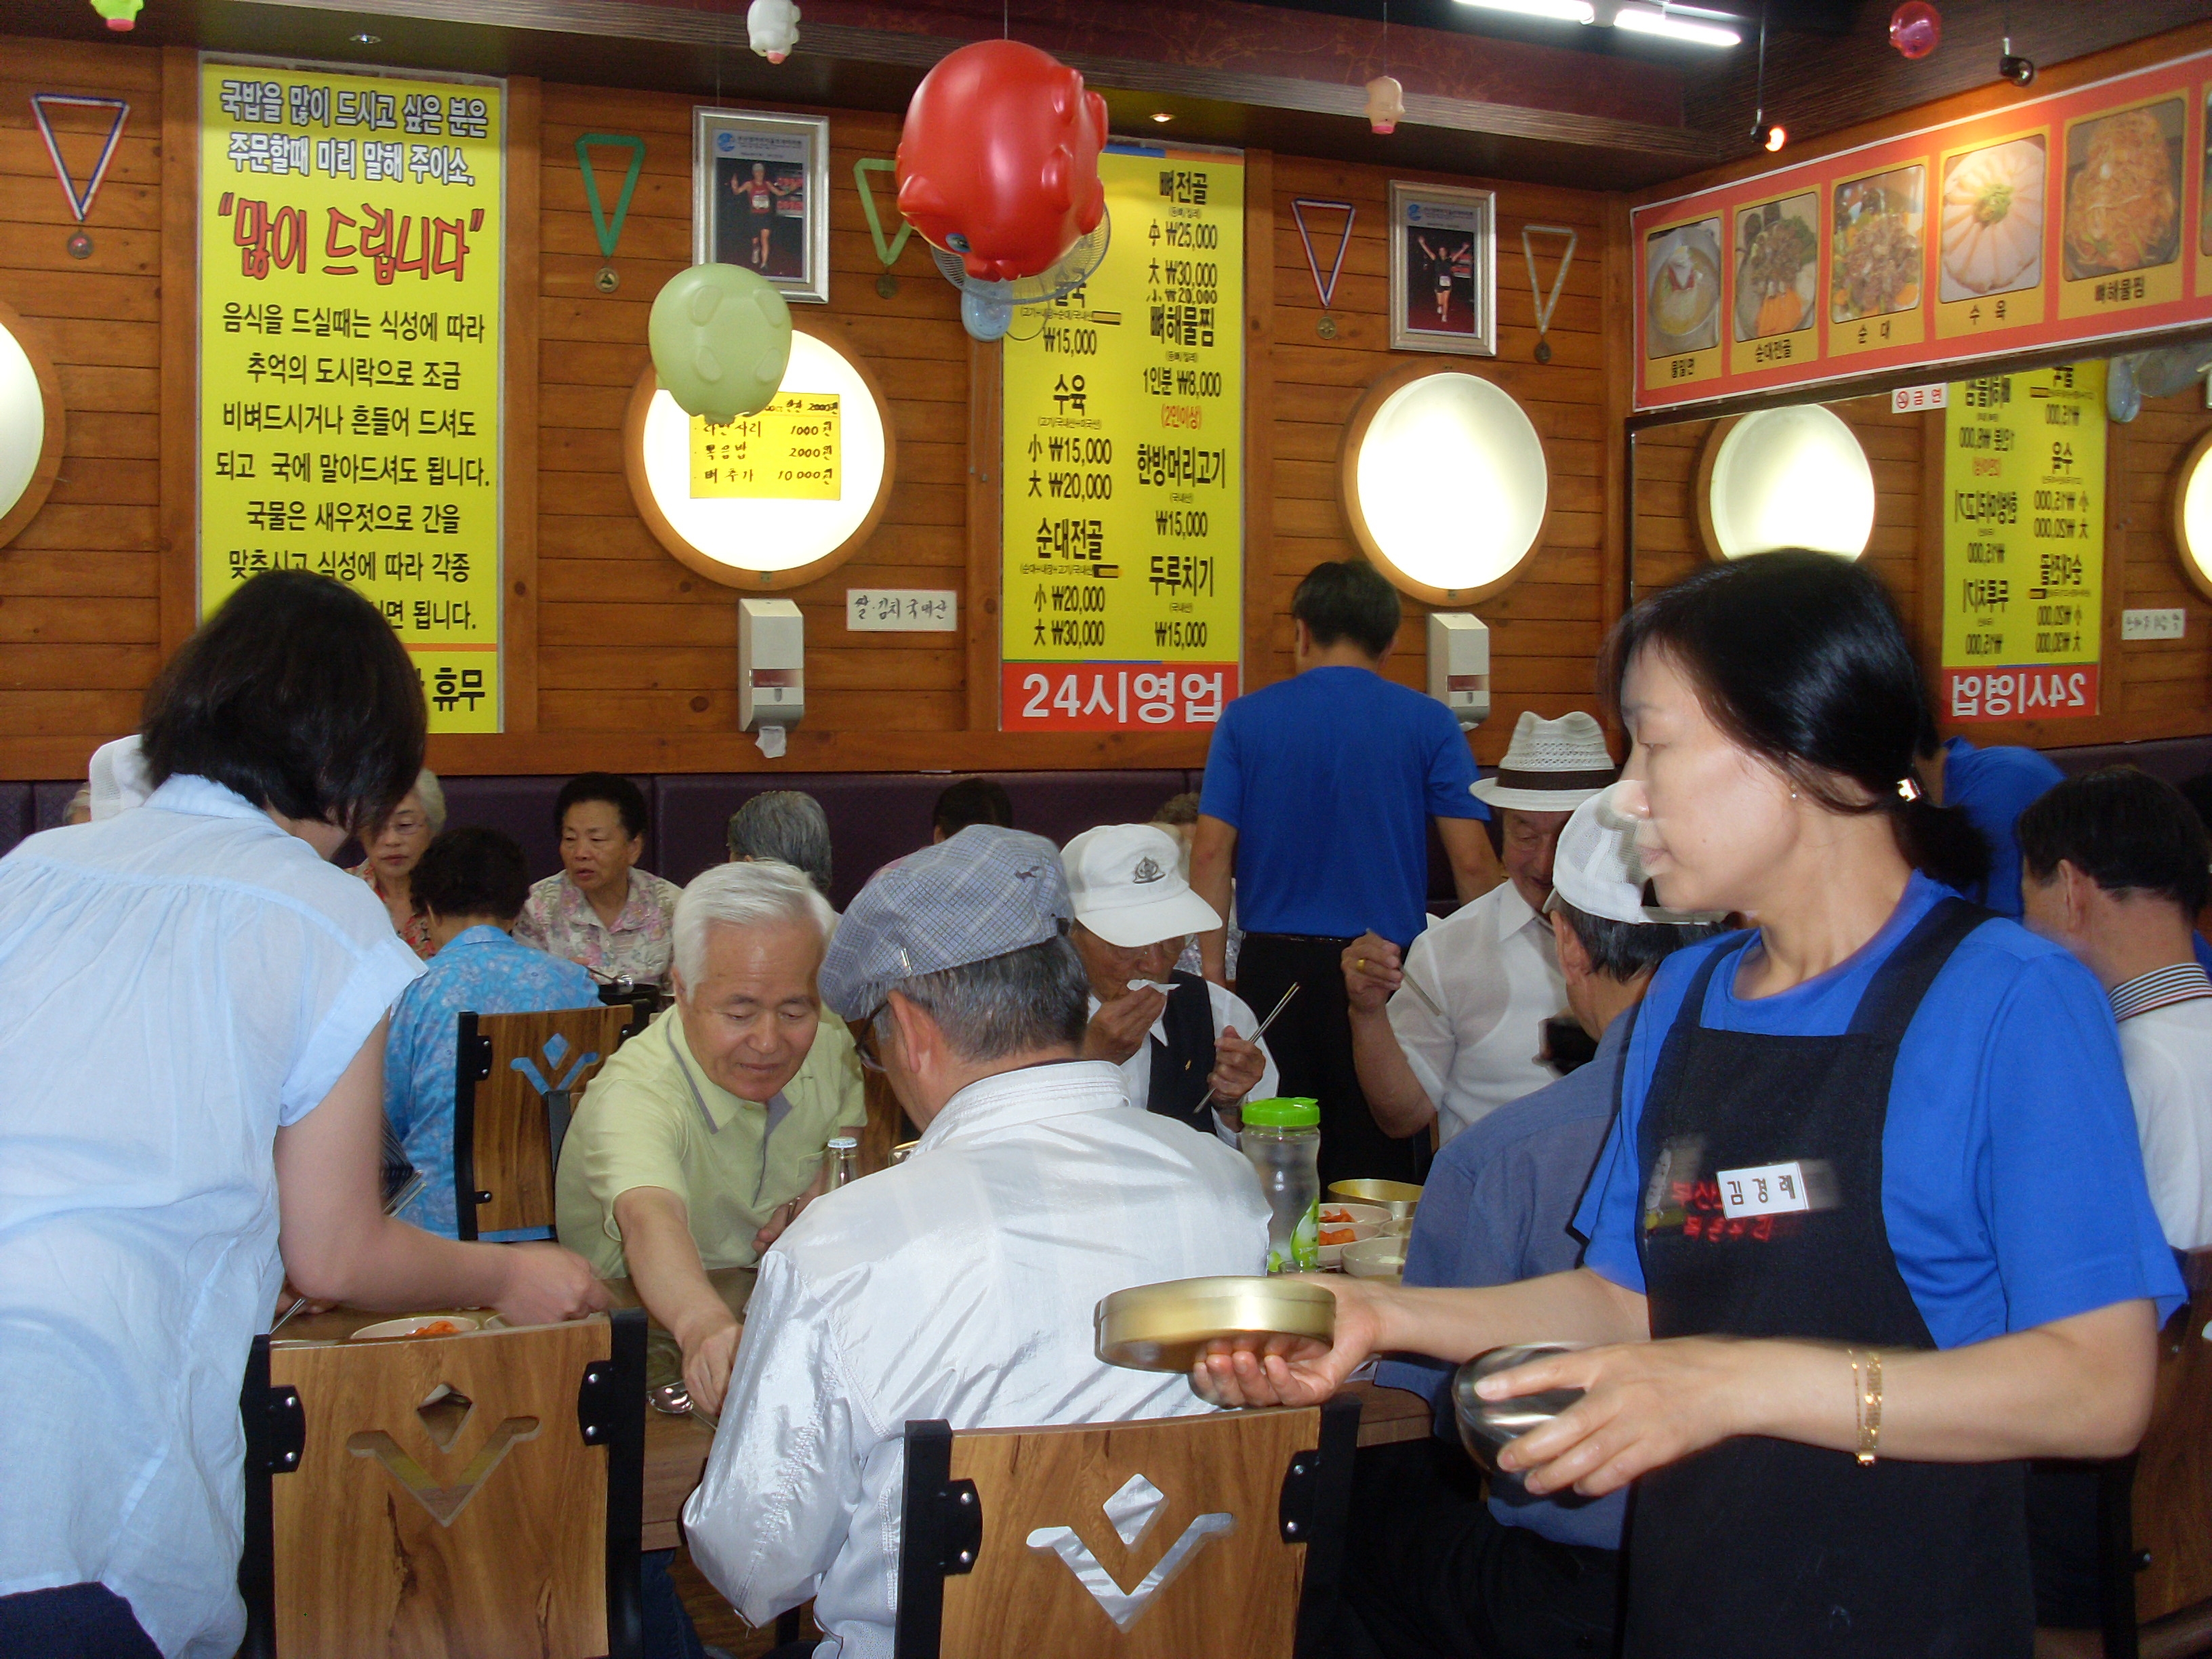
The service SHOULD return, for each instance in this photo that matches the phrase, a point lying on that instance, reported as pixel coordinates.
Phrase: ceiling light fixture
(367, 39)
(1562, 11)
(1661, 20)
(2018, 71)
(1767, 135)
(1162, 115)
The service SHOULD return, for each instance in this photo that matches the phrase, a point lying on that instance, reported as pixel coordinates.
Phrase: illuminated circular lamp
(1785, 477)
(1445, 484)
(763, 541)
(2192, 514)
(31, 426)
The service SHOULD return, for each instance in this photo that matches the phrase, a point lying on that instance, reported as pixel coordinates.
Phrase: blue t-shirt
(1993, 787)
(1494, 1212)
(482, 971)
(1329, 779)
(2012, 1182)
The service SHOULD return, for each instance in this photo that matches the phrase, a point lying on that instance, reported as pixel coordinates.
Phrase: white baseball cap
(1596, 870)
(1127, 885)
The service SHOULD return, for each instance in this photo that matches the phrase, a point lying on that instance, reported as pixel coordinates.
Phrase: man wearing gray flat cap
(959, 1285)
(1517, 1578)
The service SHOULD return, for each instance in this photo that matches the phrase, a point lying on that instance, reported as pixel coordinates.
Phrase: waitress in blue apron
(1871, 1228)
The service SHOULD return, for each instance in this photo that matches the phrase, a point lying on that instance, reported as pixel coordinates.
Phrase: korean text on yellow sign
(2024, 544)
(351, 266)
(788, 451)
(1124, 492)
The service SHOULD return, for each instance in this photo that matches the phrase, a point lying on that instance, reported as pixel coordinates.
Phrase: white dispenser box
(1459, 666)
(771, 664)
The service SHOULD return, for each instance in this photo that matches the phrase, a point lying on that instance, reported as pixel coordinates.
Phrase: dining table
(677, 1445)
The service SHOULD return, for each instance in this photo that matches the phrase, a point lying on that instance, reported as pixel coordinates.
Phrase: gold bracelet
(1870, 1406)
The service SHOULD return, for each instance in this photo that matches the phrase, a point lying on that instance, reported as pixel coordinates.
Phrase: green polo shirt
(653, 1118)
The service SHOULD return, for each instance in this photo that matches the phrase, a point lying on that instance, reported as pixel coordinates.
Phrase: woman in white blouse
(191, 1086)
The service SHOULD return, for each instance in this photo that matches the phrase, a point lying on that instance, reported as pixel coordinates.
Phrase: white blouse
(180, 980)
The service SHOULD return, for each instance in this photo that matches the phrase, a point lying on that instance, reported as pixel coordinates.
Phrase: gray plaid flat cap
(985, 892)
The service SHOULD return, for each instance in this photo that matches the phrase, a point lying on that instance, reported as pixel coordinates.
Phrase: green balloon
(722, 339)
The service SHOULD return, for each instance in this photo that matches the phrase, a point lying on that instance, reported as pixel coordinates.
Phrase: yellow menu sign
(2024, 544)
(788, 451)
(351, 264)
(1123, 548)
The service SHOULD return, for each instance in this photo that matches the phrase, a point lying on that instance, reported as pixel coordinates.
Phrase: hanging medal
(1327, 290)
(80, 243)
(608, 279)
(1545, 306)
(888, 252)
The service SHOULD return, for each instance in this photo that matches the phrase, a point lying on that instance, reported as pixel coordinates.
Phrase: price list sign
(2024, 544)
(1122, 564)
(350, 275)
(788, 451)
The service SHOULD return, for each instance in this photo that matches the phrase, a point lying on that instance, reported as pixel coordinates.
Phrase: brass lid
(1162, 1327)
(1401, 1197)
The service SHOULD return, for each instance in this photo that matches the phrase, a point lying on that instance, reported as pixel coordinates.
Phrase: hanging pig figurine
(1386, 103)
(773, 27)
(998, 161)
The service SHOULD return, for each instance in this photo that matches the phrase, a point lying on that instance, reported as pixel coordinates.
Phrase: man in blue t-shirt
(1992, 786)
(1318, 793)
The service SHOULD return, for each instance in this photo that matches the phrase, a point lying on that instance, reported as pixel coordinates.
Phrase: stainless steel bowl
(1487, 1425)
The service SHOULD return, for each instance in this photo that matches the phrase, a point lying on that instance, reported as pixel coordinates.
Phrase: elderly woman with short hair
(395, 846)
(786, 825)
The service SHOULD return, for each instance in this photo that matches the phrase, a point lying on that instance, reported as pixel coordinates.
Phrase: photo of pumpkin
(1993, 220)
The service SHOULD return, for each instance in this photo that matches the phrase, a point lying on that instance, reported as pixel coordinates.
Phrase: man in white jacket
(959, 1285)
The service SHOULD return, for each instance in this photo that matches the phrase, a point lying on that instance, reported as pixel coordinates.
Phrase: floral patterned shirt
(416, 932)
(560, 921)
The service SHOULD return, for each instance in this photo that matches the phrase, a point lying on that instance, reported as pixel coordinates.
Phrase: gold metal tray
(1162, 1327)
(1401, 1198)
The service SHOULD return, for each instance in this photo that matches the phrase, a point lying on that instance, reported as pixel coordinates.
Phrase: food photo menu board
(2073, 217)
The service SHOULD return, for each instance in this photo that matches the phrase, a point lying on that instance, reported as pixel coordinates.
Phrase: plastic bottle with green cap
(1282, 1138)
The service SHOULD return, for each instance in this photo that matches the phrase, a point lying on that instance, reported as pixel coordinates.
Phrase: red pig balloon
(998, 161)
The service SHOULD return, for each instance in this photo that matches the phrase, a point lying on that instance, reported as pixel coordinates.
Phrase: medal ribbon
(887, 252)
(80, 205)
(1545, 307)
(610, 234)
(1326, 290)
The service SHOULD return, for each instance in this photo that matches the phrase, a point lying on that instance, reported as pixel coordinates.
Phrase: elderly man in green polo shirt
(696, 1144)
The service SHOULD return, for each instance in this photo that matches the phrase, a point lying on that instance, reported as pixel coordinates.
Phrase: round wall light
(31, 425)
(1785, 477)
(773, 500)
(2192, 514)
(1445, 484)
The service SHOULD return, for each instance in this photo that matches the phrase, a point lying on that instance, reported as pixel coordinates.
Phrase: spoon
(673, 1398)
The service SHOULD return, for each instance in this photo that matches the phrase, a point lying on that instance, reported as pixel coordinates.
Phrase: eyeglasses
(863, 1044)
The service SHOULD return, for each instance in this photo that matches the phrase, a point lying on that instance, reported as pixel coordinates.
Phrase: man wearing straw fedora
(1449, 1032)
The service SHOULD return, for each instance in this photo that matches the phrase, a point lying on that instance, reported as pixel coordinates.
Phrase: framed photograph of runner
(760, 197)
(1444, 270)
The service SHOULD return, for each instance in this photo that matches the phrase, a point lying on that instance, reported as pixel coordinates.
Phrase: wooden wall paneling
(1260, 551)
(519, 598)
(180, 348)
(2120, 522)
(1616, 252)
(986, 533)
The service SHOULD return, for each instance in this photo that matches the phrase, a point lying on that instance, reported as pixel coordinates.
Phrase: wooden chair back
(1153, 1539)
(468, 1497)
(2173, 1503)
(518, 1078)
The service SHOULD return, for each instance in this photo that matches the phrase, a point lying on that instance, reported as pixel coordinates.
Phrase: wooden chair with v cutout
(447, 1496)
(1217, 1534)
(517, 1077)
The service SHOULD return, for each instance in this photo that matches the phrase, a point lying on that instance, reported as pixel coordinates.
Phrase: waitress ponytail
(1799, 659)
(1942, 843)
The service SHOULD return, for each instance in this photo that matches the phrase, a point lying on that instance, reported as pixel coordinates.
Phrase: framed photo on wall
(1444, 270)
(760, 197)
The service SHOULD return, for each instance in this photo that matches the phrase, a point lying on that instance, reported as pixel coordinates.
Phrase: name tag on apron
(1769, 1189)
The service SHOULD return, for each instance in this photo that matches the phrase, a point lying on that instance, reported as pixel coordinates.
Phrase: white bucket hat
(1127, 885)
(1597, 872)
(1551, 766)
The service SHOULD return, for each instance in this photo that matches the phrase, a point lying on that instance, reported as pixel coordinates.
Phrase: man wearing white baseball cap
(1460, 1037)
(1184, 1045)
(1519, 1577)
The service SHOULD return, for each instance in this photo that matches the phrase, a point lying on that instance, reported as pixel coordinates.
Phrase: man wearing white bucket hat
(1460, 1037)
(1185, 1046)
(1519, 1577)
